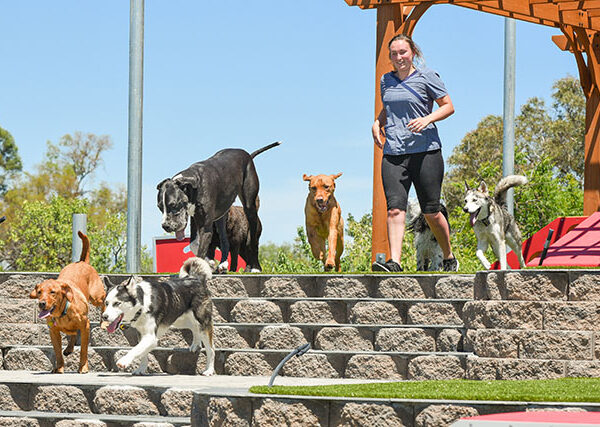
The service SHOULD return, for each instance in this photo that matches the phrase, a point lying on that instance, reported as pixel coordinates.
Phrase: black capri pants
(424, 170)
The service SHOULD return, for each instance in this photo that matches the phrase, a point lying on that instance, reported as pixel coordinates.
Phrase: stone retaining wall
(267, 410)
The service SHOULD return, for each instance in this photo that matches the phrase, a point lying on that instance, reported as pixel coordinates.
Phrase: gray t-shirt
(406, 100)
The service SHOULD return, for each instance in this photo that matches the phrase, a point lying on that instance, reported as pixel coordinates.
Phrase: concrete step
(289, 336)
(338, 310)
(95, 401)
(429, 336)
(266, 410)
(66, 419)
(19, 285)
(344, 363)
(116, 399)
(292, 310)
(507, 368)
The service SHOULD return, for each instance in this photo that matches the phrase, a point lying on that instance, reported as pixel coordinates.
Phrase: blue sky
(242, 74)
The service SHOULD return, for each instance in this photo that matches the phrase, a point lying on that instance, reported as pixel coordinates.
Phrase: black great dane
(204, 192)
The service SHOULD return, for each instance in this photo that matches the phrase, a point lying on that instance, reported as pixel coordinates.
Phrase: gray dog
(204, 192)
(238, 235)
(492, 223)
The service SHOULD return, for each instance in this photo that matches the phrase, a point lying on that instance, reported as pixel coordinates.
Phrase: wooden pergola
(579, 22)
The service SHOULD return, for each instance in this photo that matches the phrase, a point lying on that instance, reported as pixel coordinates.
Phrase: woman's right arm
(377, 128)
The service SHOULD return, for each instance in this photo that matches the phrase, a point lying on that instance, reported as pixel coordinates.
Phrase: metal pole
(508, 144)
(134, 163)
(79, 224)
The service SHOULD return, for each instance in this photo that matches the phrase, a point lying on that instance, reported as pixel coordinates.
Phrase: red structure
(579, 247)
(170, 254)
(537, 418)
(533, 246)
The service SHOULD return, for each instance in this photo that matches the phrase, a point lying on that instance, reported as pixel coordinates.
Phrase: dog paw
(84, 370)
(58, 370)
(194, 348)
(255, 270)
(123, 363)
(139, 372)
(223, 267)
(208, 372)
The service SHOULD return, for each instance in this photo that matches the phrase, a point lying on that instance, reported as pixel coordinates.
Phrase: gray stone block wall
(263, 410)
(528, 315)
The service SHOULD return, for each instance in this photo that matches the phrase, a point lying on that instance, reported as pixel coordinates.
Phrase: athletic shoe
(389, 266)
(450, 264)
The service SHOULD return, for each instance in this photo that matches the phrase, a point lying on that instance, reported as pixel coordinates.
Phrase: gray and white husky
(151, 308)
(429, 254)
(492, 223)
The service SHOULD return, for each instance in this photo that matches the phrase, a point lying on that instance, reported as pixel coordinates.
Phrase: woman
(412, 150)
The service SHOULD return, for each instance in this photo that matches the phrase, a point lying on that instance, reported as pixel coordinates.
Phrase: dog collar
(485, 221)
(52, 321)
(66, 308)
(136, 316)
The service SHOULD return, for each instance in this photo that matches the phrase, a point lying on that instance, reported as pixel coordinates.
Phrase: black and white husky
(429, 254)
(152, 308)
(492, 223)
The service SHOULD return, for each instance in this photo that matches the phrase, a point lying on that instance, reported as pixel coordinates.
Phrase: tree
(10, 162)
(76, 157)
(480, 147)
(60, 182)
(357, 242)
(556, 134)
(549, 151)
(40, 238)
(566, 148)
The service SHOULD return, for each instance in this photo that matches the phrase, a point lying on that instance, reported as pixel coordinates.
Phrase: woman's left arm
(445, 109)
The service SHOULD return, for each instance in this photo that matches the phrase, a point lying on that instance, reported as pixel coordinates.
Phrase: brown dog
(324, 221)
(64, 304)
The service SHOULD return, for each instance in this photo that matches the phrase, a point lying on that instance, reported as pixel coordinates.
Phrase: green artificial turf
(557, 390)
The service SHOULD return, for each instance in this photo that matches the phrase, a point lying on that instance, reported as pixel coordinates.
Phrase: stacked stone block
(534, 324)
(358, 326)
(119, 405)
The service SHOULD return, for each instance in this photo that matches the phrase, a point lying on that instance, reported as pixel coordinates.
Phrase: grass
(557, 390)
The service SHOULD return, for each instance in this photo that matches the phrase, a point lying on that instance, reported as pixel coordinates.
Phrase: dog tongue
(113, 326)
(179, 235)
(44, 313)
(474, 218)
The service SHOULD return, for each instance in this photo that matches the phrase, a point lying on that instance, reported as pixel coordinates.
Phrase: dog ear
(33, 293)
(336, 176)
(67, 291)
(483, 187)
(107, 283)
(160, 184)
(131, 283)
(306, 177)
(188, 185)
(466, 186)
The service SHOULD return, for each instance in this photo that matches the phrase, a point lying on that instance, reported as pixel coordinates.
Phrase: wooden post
(389, 19)
(580, 41)
(392, 19)
(591, 174)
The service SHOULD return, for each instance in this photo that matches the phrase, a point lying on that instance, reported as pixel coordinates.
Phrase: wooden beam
(577, 5)
(551, 13)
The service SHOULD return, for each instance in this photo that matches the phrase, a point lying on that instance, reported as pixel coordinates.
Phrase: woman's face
(401, 55)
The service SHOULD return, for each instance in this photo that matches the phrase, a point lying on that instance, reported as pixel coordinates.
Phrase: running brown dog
(324, 221)
(64, 304)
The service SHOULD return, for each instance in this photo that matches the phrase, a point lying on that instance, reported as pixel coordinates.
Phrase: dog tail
(268, 147)
(506, 183)
(196, 267)
(85, 250)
